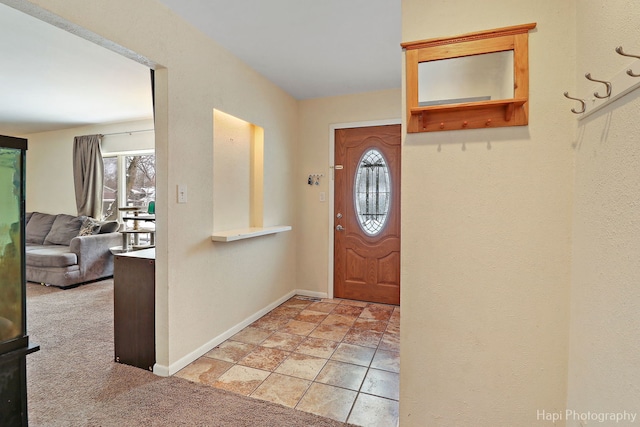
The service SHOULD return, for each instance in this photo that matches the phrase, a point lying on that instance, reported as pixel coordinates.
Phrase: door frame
(332, 151)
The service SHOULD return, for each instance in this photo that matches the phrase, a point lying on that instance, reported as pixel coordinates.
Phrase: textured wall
(605, 320)
(316, 116)
(50, 162)
(486, 233)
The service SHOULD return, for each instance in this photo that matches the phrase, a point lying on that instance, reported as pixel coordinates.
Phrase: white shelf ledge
(247, 233)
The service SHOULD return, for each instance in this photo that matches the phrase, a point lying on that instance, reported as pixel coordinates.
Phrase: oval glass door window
(372, 192)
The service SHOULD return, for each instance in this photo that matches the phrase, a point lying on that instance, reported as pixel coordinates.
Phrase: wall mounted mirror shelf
(469, 81)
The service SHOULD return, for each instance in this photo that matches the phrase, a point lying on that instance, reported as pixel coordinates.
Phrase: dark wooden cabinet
(134, 308)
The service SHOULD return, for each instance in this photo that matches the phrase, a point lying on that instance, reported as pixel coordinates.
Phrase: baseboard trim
(165, 371)
(310, 294)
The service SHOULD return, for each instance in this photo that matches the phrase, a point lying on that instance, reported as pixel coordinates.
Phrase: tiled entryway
(331, 357)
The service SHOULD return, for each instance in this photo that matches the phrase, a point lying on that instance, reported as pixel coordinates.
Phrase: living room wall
(50, 162)
(202, 289)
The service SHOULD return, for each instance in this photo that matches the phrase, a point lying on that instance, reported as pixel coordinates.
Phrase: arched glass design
(372, 192)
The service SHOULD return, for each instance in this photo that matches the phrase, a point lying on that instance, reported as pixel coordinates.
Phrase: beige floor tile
(330, 332)
(339, 320)
(264, 358)
(204, 370)
(296, 303)
(241, 379)
(327, 401)
(348, 310)
(377, 311)
(282, 389)
(230, 351)
(354, 354)
(343, 375)
(382, 384)
(323, 307)
(311, 316)
(317, 347)
(393, 328)
(370, 325)
(386, 360)
(251, 335)
(282, 341)
(373, 411)
(297, 327)
(330, 300)
(301, 366)
(363, 338)
(354, 303)
(390, 342)
(270, 322)
(286, 312)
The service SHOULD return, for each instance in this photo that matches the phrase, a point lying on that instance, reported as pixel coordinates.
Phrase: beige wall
(316, 117)
(49, 173)
(203, 289)
(486, 228)
(603, 369)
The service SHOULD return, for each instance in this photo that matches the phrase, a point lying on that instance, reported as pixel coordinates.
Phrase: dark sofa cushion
(38, 227)
(64, 228)
(109, 227)
(51, 256)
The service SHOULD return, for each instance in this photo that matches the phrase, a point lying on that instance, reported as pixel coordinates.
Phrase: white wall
(316, 116)
(605, 320)
(486, 229)
(49, 173)
(202, 289)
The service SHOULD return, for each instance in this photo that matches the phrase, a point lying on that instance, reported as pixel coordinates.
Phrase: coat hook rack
(583, 104)
(621, 52)
(621, 84)
(608, 84)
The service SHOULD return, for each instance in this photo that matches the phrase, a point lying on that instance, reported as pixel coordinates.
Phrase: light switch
(322, 196)
(182, 193)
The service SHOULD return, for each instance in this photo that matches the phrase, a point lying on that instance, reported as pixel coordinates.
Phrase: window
(129, 180)
(372, 192)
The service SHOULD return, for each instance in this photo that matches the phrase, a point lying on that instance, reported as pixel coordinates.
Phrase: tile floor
(331, 357)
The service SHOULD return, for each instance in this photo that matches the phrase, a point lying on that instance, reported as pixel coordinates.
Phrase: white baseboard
(311, 294)
(165, 371)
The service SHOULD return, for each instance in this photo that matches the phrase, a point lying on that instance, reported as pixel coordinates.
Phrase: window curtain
(88, 175)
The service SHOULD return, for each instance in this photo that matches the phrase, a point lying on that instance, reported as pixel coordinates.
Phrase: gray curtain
(88, 175)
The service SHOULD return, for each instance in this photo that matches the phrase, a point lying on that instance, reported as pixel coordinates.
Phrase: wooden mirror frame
(470, 115)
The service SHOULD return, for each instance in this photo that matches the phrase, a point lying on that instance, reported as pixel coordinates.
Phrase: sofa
(65, 250)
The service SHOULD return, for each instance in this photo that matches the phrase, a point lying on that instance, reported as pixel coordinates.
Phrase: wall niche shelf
(247, 233)
(470, 81)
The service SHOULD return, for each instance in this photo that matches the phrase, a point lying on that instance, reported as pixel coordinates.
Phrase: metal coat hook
(621, 52)
(584, 104)
(608, 84)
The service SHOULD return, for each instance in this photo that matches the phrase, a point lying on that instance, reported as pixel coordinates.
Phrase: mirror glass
(484, 77)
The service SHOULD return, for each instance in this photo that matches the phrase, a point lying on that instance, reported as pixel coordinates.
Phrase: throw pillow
(64, 228)
(89, 226)
(109, 227)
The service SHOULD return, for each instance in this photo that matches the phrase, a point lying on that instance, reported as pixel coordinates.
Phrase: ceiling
(53, 80)
(310, 48)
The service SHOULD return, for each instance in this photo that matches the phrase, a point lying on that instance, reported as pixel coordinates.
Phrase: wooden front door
(367, 214)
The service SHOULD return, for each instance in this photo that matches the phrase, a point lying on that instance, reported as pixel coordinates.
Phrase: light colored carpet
(73, 380)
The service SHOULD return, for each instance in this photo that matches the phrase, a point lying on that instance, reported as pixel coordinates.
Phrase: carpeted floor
(73, 381)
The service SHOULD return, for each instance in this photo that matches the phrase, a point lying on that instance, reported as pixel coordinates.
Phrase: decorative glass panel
(372, 192)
